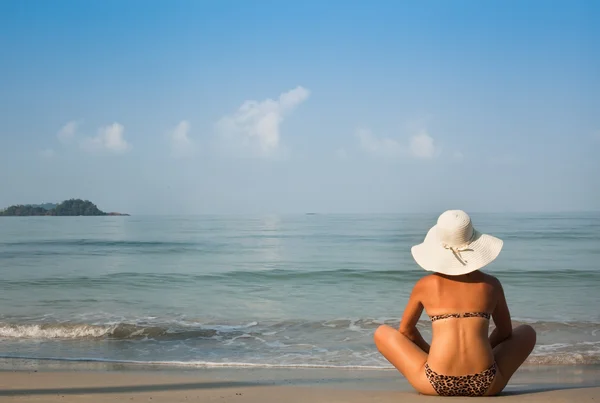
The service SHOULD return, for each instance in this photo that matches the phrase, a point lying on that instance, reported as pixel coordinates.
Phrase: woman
(459, 299)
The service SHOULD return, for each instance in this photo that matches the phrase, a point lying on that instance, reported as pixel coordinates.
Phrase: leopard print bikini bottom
(463, 385)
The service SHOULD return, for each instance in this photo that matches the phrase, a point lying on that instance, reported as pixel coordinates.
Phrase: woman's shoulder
(425, 280)
(426, 283)
(492, 280)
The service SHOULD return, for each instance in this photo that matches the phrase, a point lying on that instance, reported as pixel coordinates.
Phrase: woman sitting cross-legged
(459, 299)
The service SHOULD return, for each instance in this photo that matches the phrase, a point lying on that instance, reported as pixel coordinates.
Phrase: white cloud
(110, 138)
(383, 147)
(420, 145)
(66, 134)
(47, 153)
(255, 126)
(181, 144)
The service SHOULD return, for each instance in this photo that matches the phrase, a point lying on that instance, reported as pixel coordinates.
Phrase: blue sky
(190, 107)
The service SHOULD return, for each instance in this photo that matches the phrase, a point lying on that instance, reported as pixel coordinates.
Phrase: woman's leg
(405, 355)
(510, 354)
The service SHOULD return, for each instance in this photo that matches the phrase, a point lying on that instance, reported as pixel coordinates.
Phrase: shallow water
(305, 290)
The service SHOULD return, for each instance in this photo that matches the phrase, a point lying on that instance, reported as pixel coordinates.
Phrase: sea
(273, 291)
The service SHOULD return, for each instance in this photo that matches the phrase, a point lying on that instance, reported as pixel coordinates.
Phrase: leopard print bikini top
(460, 315)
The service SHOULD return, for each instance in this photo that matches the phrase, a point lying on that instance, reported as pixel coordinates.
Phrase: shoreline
(538, 384)
(388, 378)
(11, 363)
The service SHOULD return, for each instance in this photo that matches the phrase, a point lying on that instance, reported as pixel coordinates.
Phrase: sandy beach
(551, 384)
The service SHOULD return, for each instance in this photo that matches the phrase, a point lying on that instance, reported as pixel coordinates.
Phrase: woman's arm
(501, 316)
(412, 313)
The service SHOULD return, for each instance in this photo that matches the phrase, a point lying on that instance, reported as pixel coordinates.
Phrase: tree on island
(21, 210)
(73, 207)
(76, 207)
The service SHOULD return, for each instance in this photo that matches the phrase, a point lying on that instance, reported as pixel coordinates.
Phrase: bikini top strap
(460, 315)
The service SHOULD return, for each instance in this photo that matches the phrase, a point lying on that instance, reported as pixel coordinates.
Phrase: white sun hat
(454, 247)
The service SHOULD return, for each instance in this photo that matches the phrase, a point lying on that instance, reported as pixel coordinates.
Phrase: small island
(72, 207)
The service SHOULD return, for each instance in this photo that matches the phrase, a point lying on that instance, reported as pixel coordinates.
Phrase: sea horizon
(433, 213)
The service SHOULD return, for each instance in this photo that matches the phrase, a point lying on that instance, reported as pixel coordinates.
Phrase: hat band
(457, 249)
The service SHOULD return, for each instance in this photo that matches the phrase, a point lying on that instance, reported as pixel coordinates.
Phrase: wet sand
(537, 384)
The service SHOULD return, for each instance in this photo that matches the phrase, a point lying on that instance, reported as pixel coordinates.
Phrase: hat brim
(432, 256)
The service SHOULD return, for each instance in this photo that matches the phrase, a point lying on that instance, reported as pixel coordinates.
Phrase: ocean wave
(51, 331)
(93, 247)
(574, 358)
(97, 243)
(121, 331)
(185, 330)
(281, 275)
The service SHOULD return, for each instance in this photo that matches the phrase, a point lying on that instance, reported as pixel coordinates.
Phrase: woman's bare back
(460, 345)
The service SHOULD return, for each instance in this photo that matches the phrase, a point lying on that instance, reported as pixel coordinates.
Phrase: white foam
(230, 327)
(36, 331)
(552, 347)
(354, 327)
(201, 364)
